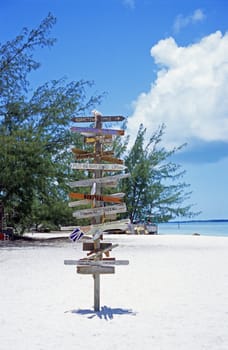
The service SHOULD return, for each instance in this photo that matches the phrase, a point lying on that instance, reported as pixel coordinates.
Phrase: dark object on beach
(196, 234)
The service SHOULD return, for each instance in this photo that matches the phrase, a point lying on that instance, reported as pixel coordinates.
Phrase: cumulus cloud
(183, 21)
(189, 94)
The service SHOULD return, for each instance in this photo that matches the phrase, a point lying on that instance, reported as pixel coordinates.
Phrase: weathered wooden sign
(100, 180)
(91, 270)
(102, 139)
(90, 246)
(103, 167)
(78, 203)
(101, 198)
(112, 159)
(91, 262)
(96, 131)
(104, 119)
(100, 156)
(100, 211)
(80, 152)
(112, 225)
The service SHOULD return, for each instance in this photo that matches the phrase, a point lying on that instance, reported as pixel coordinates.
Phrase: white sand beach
(172, 295)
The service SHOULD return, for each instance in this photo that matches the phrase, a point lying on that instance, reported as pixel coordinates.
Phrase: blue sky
(158, 61)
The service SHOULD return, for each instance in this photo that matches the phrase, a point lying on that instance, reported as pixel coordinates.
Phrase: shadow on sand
(106, 313)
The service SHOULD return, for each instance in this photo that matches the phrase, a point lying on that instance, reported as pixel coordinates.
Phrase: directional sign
(100, 211)
(78, 203)
(108, 118)
(96, 262)
(79, 151)
(101, 180)
(88, 270)
(97, 131)
(112, 160)
(89, 246)
(105, 250)
(93, 155)
(102, 139)
(118, 224)
(104, 167)
(101, 198)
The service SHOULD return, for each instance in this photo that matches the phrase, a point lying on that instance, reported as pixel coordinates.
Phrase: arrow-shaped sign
(101, 180)
(93, 166)
(112, 159)
(101, 198)
(79, 151)
(102, 139)
(100, 211)
(97, 131)
(105, 118)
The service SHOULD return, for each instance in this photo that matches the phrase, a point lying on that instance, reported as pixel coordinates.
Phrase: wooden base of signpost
(96, 278)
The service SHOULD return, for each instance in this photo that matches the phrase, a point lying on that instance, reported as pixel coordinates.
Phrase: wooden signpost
(80, 152)
(108, 118)
(98, 260)
(99, 180)
(102, 139)
(100, 211)
(102, 167)
(97, 131)
(91, 197)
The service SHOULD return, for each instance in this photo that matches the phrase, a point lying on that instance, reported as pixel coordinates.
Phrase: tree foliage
(35, 132)
(155, 189)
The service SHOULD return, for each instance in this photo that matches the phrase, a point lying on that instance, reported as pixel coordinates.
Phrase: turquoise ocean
(204, 228)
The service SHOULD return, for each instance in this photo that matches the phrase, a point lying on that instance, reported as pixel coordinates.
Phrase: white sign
(88, 182)
(91, 166)
(111, 209)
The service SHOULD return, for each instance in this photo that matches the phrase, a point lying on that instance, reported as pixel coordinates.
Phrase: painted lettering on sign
(97, 131)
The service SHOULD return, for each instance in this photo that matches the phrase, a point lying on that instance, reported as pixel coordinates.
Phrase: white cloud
(189, 94)
(183, 21)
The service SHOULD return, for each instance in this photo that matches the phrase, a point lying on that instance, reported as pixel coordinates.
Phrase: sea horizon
(212, 227)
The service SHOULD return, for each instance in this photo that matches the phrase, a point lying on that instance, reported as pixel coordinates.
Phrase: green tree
(35, 131)
(155, 189)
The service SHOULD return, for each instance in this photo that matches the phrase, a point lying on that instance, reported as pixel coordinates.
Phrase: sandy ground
(172, 295)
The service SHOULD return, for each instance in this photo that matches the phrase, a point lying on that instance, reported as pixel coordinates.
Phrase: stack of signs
(101, 161)
(102, 206)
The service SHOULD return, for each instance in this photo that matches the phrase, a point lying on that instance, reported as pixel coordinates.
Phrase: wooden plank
(102, 139)
(98, 254)
(100, 211)
(110, 184)
(112, 159)
(79, 203)
(102, 262)
(96, 277)
(93, 166)
(80, 152)
(91, 270)
(97, 131)
(91, 197)
(119, 224)
(104, 119)
(100, 180)
(118, 194)
(101, 156)
(90, 246)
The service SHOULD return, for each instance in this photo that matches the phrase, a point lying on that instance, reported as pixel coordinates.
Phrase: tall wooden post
(97, 219)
